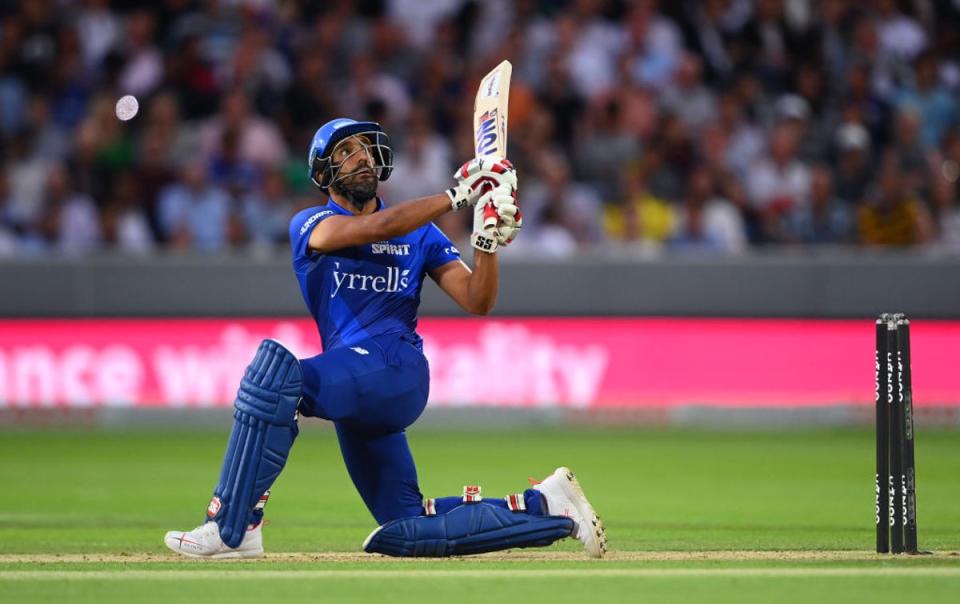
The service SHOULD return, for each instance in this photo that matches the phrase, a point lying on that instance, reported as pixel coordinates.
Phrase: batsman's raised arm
(338, 232)
(354, 184)
(474, 291)
(496, 222)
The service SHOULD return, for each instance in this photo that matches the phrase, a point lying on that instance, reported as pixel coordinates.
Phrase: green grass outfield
(691, 515)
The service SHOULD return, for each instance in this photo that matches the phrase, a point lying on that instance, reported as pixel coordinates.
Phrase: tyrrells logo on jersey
(395, 280)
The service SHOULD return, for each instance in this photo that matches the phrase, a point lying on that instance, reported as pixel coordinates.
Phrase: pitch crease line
(166, 574)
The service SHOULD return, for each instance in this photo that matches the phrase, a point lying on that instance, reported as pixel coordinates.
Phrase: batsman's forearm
(484, 282)
(405, 217)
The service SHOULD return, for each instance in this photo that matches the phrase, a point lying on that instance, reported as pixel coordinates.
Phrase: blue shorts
(378, 385)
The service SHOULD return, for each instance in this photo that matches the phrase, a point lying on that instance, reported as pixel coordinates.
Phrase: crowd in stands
(712, 126)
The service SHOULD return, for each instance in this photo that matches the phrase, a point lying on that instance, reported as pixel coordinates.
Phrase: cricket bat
(490, 118)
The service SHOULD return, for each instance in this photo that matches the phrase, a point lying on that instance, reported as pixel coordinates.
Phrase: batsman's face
(353, 156)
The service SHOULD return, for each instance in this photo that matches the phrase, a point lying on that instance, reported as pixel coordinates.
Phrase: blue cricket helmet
(323, 172)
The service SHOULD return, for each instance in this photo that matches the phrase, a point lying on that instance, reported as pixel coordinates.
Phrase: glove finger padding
(507, 233)
(503, 200)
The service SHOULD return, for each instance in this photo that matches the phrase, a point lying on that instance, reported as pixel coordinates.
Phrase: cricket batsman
(361, 264)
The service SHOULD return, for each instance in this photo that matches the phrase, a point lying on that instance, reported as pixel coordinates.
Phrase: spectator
(900, 36)
(229, 170)
(911, 156)
(893, 216)
(75, 220)
(367, 85)
(933, 102)
(944, 198)
(745, 139)
(606, 148)
(194, 79)
(423, 166)
(551, 197)
(563, 102)
(827, 219)
(589, 46)
(640, 218)
(124, 220)
(195, 213)
(88, 172)
(9, 241)
(143, 69)
(862, 104)
(780, 183)
(165, 122)
(692, 102)
(654, 44)
(708, 33)
(706, 222)
(26, 174)
(853, 172)
(258, 140)
(267, 212)
(98, 28)
(308, 99)
(258, 69)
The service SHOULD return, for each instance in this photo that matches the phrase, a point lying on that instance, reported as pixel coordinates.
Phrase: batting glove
(496, 220)
(509, 218)
(478, 176)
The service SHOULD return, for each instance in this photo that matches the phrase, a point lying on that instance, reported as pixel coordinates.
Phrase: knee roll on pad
(467, 529)
(264, 429)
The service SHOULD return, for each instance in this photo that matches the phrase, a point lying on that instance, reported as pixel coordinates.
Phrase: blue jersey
(368, 290)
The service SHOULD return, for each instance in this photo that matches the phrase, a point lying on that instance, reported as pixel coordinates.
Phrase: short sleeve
(302, 225)
(438, 249)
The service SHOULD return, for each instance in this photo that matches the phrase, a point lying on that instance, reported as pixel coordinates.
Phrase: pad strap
(471, 493)
(516, 502)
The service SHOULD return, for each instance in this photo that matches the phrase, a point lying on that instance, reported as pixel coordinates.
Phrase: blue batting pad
(264, 429)
(472, 528)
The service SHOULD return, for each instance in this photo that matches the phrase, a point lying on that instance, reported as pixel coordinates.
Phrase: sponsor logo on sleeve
(313, 219)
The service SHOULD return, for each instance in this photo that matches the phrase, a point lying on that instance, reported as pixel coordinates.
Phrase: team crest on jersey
(391, 249)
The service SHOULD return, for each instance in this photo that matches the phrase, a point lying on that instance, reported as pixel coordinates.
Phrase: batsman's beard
(358, 192)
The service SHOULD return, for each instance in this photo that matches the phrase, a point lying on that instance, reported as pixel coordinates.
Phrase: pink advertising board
(518, 362)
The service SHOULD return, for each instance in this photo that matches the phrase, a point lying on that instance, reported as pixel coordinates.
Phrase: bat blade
(490, 112)
(490, 119)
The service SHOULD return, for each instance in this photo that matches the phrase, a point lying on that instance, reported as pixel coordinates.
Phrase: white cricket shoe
(205, 542)
(565, 498)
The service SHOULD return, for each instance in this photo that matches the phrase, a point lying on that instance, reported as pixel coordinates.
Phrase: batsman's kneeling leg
(472, 528)
(264, 429)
